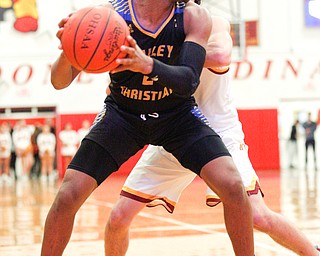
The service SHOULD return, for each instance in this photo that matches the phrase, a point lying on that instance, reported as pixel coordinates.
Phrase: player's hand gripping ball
(92, 39)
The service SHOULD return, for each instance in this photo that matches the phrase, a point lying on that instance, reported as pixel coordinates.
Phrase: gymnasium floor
(192, 230)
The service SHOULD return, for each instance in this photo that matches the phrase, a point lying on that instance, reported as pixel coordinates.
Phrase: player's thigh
(115, 133)
(93, 160)
(194, 143)
(221, 176)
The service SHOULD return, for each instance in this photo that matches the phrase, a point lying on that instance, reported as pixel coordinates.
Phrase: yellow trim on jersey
(213, 197)
(144, 31)
(252, 186)
(249, 189)
(220, 70)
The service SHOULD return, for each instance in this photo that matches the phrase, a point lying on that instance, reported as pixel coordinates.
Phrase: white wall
(25, 60)
(281, 23)
(26, 82)
(283, 40)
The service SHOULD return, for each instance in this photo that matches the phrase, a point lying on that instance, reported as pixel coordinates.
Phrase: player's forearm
(62, 73)
(183, 78)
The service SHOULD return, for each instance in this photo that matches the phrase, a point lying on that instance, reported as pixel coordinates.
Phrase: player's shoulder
(197, 15)
(219, 20)
(196, 10)
(220, 24)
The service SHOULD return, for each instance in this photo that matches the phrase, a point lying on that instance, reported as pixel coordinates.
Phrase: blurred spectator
(310, 128)
(69, 144)
(13, 157)
(35, 170)
(5, 153)
(82, 132)
(293, 145)
(22, 142)
(50, 122)
(46, 143)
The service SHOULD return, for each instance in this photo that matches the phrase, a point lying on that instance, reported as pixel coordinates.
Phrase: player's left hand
(136, 60)
(61, 28)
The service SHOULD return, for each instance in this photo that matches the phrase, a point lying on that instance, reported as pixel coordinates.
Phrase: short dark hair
(197, 1)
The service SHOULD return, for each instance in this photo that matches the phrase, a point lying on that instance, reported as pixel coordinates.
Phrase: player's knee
(234, 184)
(66, 200)
(235, 194)
(262, 221)
(118, 219)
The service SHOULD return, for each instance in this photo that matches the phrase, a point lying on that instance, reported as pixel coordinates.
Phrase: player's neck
(151, 13)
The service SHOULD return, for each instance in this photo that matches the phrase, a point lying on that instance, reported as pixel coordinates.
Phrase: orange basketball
(92, 39)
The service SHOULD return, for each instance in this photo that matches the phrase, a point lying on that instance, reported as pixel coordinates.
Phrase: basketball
(92, 39)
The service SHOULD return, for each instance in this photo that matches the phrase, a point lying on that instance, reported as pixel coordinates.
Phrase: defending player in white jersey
(153, 181)
(156, 164)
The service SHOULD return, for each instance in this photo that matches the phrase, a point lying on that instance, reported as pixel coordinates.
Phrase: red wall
(261, 135)
(260, 128)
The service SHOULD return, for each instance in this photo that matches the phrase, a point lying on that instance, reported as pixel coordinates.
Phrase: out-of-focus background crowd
(28, 151)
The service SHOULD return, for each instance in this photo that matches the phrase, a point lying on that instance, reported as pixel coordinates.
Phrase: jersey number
(147, 81)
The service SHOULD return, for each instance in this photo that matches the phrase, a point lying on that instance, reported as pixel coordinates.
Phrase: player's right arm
(62, 72)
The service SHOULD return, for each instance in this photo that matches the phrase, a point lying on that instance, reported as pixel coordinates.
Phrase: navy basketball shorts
(117, 135)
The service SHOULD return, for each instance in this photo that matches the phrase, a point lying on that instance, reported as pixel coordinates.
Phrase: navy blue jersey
(136, 92)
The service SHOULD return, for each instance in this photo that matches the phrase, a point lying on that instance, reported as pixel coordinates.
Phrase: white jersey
(22, 137)
(46, 143)
(159, 179)
(69, 140)
(215, 101)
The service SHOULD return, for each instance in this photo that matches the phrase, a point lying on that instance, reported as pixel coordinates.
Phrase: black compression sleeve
(183, 78)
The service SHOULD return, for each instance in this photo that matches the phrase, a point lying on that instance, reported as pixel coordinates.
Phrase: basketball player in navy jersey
(159, 179)
(151, 102)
